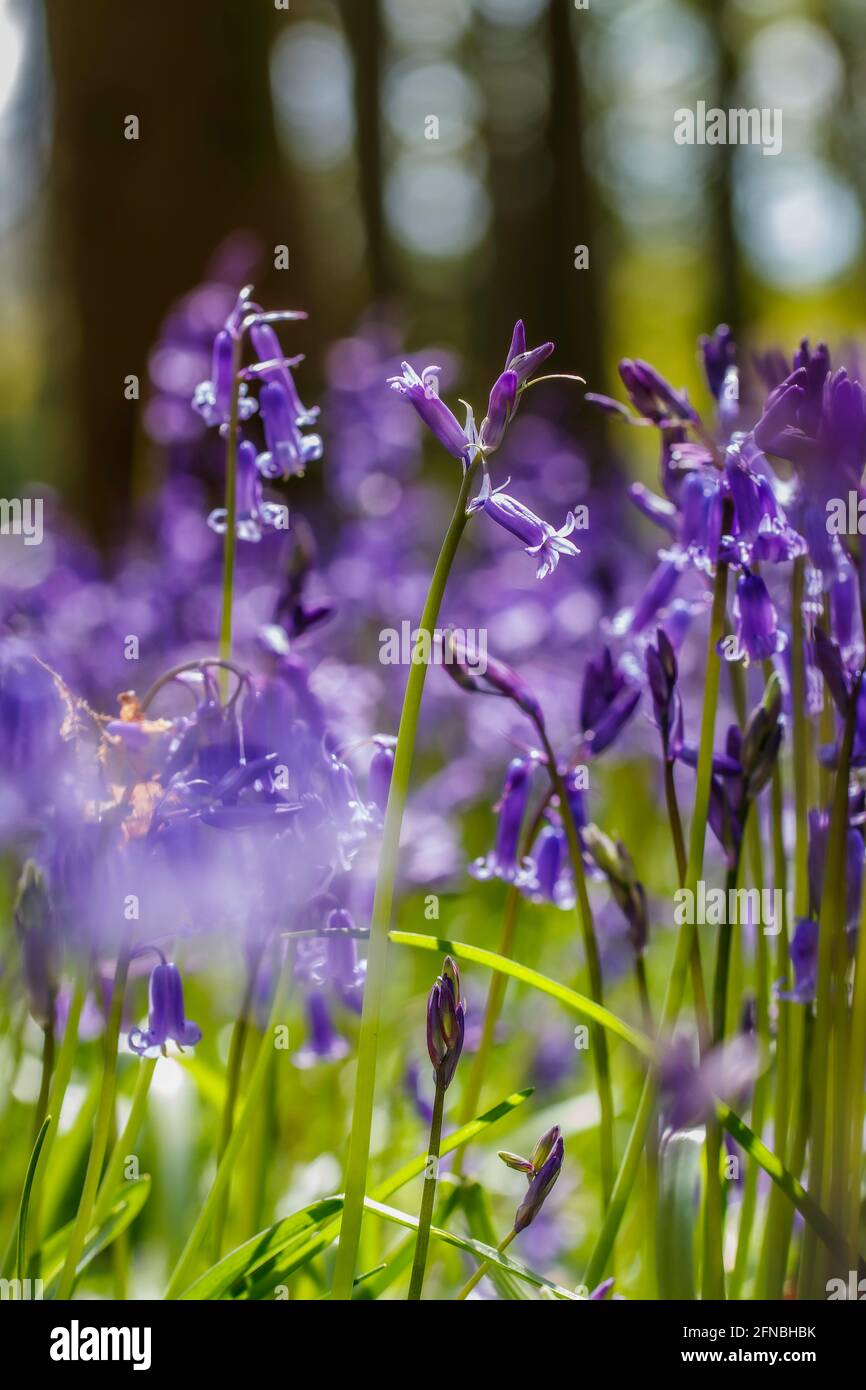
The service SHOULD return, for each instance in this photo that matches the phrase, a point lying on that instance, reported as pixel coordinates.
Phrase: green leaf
(772, 1165)
(679, 1186)
(273, 1264)
(248, 1258)
(126, 1205)
(578, 1003)
(477, 1211)
(483, 1253)
(24, 1208)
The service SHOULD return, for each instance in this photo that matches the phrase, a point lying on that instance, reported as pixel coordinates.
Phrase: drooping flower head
(539, 538)
(167, 1020)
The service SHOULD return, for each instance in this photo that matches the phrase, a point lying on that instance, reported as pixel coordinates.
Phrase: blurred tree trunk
(363, 28)
(534, 238)
(572, 297)
(135, 221)
(726, 284)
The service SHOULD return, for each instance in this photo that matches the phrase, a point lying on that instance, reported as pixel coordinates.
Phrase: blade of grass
(24, 1208)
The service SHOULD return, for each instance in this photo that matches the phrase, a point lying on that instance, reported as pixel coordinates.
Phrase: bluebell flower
(539, 538)
(446, 1014)
(254, 514)
(522, 361)
(502, 860)
(167, 1021)
(499, 409)
(288, 450)
(758, 631)
(323, 1042)
(689, 1089)
(803, 951)
(546, 1165)
(212, 398)
(547, 877)
(663, 673)
(608, 700)
(421, 391)
(39, 941)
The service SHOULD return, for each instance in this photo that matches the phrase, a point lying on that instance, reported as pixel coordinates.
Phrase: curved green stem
(368, 1041)
(425, 1216)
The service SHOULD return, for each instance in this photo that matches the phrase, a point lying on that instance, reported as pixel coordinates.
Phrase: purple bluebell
(499, 409)
(379, 774)
(819, 832)
(323, 1042)
(547, 878)
(39, 942)
(803, 951)
(546, 1163)
(288, 450)
(521, 361)
(719, 353)
(689, 1089)
(609, 698)
(538, 537)
(502, 861)
(663, 674)
(212, 399)
(272, 365)
(758, 631)
(422, 392)
(446, 1013)
(167, 1021)
(654, 399)
(254, 515)
(494, 679)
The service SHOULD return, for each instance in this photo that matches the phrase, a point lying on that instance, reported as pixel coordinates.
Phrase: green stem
(600, 1055)
(492, 1010)
(713, 1275)
(702, 1012)
(125, 1142)
(102, 1126)
(237, 1048)
(759, 1099)
(471, 1097)
(368, 1041)
(831, 921)
(856, 1074)
(483, 1268)
(183, 1269)
(59, 1084)
(790, 1038)
(47, 1069)
(428, 1197)
(684, 948)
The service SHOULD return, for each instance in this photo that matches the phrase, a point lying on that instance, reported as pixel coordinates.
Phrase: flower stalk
(383, 902)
